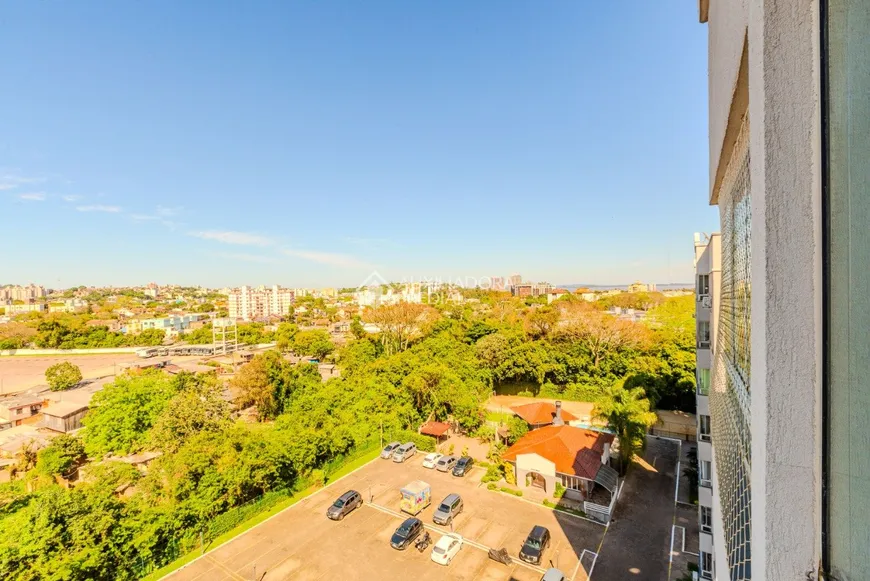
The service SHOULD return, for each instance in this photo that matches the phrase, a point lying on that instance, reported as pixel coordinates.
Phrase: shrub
(693, 566)
(450, 449)
(424, 443)
(491, 486)
(318, 478)
(555, 506)
(464, 451)
(525, 393)
(509, 474)
(559, 492)
(511, 491)
(493, 474)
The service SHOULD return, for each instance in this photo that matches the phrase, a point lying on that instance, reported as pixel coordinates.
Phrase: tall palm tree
(627, 413)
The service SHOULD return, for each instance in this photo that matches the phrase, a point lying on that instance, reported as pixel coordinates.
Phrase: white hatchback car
(431, 459)
(446, 548)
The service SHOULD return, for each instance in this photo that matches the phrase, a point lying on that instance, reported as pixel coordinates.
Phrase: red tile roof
(436, 429)
(541, 412)
(573, 450)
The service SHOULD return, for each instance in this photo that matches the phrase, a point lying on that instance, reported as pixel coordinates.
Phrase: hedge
(424, 443)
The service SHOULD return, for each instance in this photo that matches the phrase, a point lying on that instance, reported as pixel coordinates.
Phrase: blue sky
(309, 143)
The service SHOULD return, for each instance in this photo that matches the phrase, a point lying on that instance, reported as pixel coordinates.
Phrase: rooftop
(541, 412)
(436, 429)
(573, 450)
(63, 409)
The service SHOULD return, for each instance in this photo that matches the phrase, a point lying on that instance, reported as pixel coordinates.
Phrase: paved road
(637, 542)
(22, 373)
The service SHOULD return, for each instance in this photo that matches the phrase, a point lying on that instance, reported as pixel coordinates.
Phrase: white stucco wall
(728, 20)
(535, 463)
(786, 286)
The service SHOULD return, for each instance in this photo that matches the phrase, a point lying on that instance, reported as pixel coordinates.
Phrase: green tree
(285, 334)
(64, 453)
(357, 329)
(627, 413)
(199, 406)
(122, 413)
(315, 343)
(62, 376)
(150, 337)
(517, 428)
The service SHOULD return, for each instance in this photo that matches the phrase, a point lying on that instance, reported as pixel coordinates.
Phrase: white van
(404, 452)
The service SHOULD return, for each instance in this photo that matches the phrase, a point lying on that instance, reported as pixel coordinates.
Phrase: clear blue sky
(309, 143)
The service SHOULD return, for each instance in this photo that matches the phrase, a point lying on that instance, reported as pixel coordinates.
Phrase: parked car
(536, 542)
(446, 548)
(431, 459)
(445, 463)
(388, 450)
(344, 504)
(404, 452)
(449, 508)
(406, 533)
(463, 465)
(553, 574)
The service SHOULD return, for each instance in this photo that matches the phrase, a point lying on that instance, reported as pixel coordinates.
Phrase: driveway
(301, 543)
(638, 540)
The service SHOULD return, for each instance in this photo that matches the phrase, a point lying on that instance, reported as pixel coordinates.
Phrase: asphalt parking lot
(301, 543)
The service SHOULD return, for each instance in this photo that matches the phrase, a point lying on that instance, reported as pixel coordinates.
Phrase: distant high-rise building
(514, 280)
(22, 293)
(248, 303)
(496, 283)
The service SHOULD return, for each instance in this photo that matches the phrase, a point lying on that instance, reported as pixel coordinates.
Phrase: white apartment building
(708, 272)
(22, 293)
(248, 303)
(789, 120)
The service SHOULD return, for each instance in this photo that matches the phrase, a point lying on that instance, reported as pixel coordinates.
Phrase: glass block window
(730, 389)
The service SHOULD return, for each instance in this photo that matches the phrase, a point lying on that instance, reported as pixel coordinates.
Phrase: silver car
(449, 508)
(388, 450)
(344, 505)
(446, 463)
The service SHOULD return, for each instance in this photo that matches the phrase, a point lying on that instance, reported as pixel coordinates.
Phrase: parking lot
(301, 543)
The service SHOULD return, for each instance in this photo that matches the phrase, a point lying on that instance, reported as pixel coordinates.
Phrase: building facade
(789, 400)
(708, 270)
(249, 303)
(22, 293)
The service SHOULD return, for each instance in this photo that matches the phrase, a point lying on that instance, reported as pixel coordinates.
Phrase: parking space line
(224, 568)
(441, 531)
(580, 562)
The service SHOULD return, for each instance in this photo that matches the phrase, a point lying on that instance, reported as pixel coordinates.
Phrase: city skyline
(344, 154)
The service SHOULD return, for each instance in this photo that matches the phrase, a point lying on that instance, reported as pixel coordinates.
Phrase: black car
(406, 533)
(536, 542)
(344, 504)
(463, 465)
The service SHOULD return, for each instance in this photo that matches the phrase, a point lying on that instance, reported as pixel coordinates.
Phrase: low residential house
(13, 439)
(341, 327)
(576, 458)
(19, 409)
(110, 324)
(544, 413)
(64, 416)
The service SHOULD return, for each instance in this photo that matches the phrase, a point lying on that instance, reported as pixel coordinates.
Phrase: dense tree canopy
(63, 375)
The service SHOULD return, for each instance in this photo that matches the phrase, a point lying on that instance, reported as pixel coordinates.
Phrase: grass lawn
(257, 519)
(500, 417)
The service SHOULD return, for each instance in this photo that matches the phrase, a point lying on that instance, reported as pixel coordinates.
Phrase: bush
(491, 486)
(450, 449)
(318, 478)
(525, 393)
(559, 492)
(693, 566)
(509, 474)
(61, 376)
(464, 451)
(493, 474)
(424, 443)
(555, 506)
(511, 491)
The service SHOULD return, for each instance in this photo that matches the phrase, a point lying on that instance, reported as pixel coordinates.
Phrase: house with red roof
(576, 458)
(543, 413)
